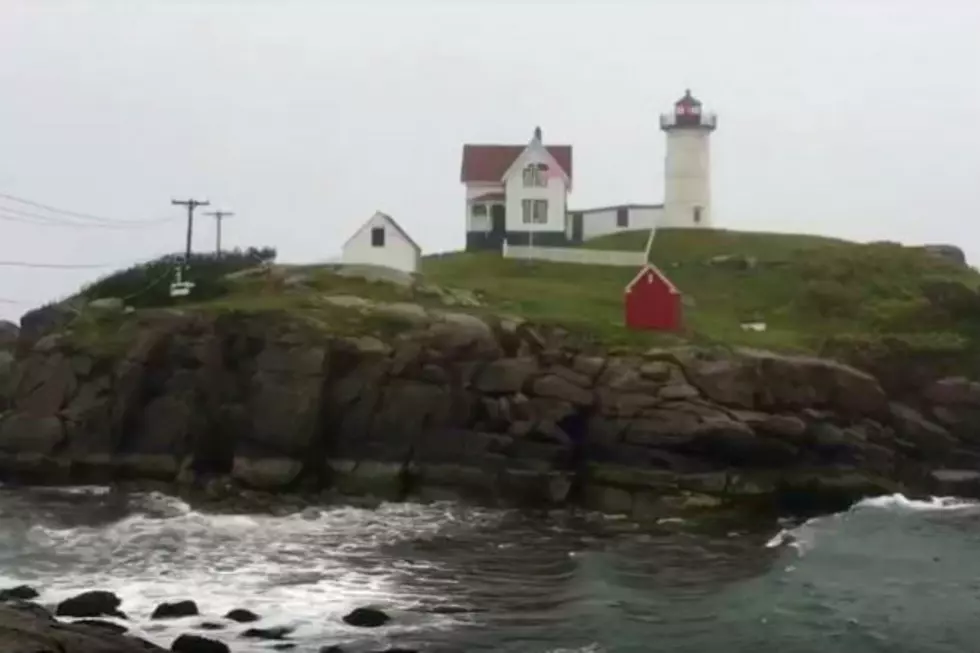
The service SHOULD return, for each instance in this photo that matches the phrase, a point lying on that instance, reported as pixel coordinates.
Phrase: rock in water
(175, 610)
(339, 649)
(26, 628)
(97, 603)
(275, 632)
(242, 616)
(366, 618)
(197, 644)
(19, 593)
(99, 623)
(396, 649)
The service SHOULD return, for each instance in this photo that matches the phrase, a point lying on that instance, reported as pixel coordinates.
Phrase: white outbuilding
(382, 241)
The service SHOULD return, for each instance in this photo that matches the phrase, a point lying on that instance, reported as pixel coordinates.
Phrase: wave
(803, 537)
(303, 570)
(900, 502)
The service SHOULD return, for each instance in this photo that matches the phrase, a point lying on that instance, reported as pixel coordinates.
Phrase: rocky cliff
(438, 403)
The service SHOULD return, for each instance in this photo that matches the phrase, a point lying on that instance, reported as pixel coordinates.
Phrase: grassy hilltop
(816, 294)
(806, 288)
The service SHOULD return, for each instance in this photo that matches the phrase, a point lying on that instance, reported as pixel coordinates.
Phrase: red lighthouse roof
(688, 113)
(688, 100)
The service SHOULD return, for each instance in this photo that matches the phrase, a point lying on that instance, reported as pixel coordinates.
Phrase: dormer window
(534, 175)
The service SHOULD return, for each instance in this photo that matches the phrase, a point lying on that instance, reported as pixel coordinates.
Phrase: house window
(479, 210)
(378, 237)
(697, 215)
(534, 175)
(622, 217)
(535, 211)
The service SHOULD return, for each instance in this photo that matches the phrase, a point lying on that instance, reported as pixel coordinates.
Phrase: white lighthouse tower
(687, 184)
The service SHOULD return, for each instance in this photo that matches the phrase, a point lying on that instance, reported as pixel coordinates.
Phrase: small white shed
(382, 241)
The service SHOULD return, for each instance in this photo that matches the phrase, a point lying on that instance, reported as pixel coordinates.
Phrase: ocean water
(890, 574)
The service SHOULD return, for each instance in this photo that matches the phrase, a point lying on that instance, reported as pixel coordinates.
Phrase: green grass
(587, 300)
(810, 290)
(816, 294)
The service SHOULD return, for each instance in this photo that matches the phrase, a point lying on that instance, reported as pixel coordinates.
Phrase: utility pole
(218, 217)
(191, 204)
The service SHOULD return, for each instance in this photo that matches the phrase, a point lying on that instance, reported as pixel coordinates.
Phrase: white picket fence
(575, 255)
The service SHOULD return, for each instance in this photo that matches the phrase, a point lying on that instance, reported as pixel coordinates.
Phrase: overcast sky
(852, 118)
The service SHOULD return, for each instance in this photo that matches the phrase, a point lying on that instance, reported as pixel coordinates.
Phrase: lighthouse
(687, 170)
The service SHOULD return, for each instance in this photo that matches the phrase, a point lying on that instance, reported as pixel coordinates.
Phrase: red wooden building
(652, 302)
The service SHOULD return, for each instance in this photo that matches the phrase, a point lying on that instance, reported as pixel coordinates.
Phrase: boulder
(175, 610)
(45, 384)
(555, 386)
(461, 333)
(99, 623)
(505, 375)
(95, 603)
(271, 633)
(266, 473)
(411, 314)
(761, 380)
(785, 426)
(366, 618)
(40, 321)
(26, 628)
(677, 392)
(335, 648)
(930, 439)
(19, 593)
(283, 400)
(242, 616)
(198, 644)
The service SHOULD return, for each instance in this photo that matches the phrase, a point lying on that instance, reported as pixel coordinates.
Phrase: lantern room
(688, 113)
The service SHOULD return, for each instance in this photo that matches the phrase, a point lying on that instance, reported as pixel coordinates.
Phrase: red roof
(650, 267)
(488, 163)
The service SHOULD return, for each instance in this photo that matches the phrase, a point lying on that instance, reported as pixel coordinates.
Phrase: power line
(26, 217)
(60, 266)
(9, 217)
(82, 216)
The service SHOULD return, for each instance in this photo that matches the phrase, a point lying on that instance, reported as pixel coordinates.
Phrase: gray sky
(852, 118)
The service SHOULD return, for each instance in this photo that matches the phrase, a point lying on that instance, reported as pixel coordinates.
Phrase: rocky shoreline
(81, 624)
(439, 404)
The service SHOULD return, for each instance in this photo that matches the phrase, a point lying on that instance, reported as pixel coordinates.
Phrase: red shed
(651, 301)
